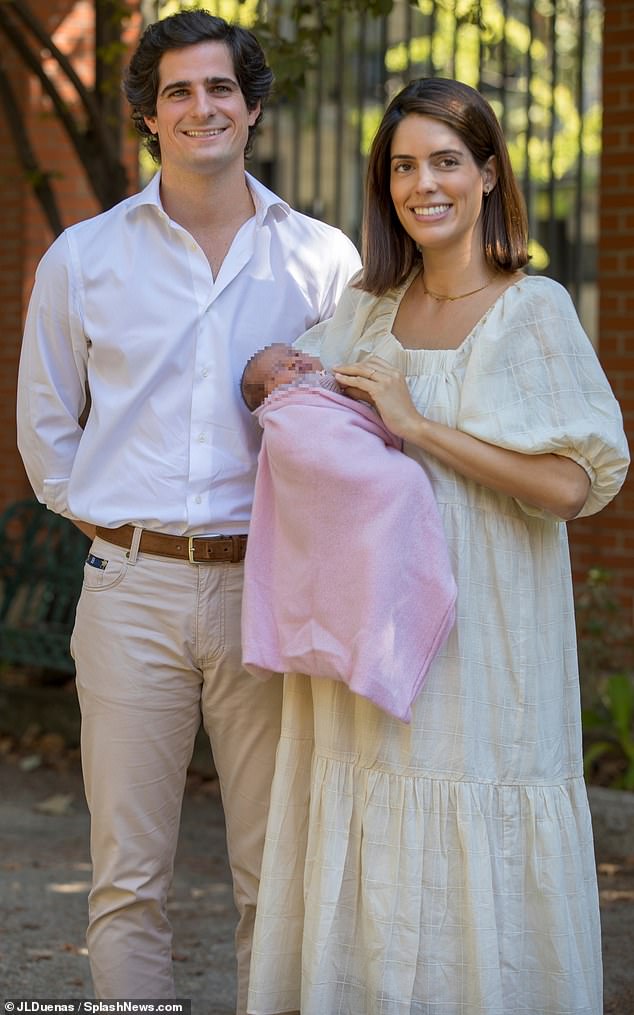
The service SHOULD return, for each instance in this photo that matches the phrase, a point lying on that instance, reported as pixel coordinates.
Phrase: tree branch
(104, 170)
(33, 64)
(39, 180)
(86, 97)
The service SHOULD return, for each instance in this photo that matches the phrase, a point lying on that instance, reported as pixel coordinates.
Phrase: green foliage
(292, 38)
(605, 637)
(610, 729)
(37, 176)
(606, 665)
(292, 34)
(513, 50)
(111, 18)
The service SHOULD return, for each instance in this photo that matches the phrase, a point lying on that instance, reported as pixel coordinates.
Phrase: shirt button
(201, 438)
(205, 372)
(198, 499)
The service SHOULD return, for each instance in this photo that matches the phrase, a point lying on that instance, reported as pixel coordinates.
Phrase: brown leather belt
(195, 549)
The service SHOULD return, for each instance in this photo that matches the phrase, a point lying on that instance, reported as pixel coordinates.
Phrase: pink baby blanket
(347, 573)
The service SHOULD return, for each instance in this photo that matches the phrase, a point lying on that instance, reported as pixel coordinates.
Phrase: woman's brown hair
(389, 253)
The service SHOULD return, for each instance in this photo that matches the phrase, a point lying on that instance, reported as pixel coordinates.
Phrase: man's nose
(203, 103)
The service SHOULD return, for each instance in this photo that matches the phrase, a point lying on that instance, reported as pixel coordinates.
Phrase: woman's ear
(489, 175)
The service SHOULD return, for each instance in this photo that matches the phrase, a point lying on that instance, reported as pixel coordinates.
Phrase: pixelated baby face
(275, 365)
(283, 364)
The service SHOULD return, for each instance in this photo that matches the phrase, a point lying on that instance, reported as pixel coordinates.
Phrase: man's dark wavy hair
(187, 28)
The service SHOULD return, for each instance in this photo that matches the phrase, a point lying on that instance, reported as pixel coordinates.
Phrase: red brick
(25, 235)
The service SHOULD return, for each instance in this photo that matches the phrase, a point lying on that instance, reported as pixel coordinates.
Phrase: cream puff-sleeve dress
(446, 867)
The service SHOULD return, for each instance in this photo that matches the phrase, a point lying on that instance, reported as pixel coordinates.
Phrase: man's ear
(150, 123)
(253, 113)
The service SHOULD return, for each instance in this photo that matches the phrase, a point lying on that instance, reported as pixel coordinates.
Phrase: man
(154, 307)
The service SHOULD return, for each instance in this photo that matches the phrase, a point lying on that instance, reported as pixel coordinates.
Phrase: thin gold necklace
(451, 299)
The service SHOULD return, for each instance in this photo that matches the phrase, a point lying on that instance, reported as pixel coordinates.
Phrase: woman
(447, 867)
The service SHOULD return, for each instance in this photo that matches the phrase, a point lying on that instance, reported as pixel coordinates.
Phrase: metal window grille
(537, 61)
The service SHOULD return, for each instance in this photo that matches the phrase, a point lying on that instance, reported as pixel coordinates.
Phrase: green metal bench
(41, 568)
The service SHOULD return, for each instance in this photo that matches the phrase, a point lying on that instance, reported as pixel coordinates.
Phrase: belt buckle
(191, 548)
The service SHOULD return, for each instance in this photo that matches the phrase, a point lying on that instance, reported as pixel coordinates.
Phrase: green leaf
(620, 695)
(596, 751)
(591, 719)
(627, 781)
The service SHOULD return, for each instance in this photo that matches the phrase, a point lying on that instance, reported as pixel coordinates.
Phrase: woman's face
(436, 186)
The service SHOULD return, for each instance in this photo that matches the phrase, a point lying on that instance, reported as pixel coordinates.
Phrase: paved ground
(44, 878)
(44, 881)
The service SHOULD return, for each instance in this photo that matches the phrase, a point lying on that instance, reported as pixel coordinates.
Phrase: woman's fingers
(370, 369)
(385, 387)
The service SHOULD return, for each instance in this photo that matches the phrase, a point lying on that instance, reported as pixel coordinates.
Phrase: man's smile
(204, 132)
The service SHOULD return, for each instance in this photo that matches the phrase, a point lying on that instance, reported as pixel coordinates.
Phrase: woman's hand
(374, 380)
(547, 481)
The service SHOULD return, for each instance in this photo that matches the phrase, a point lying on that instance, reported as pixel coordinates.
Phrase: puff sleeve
(533, 383)
(350, 334)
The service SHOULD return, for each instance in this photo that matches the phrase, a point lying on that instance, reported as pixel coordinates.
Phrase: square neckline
(400, 293)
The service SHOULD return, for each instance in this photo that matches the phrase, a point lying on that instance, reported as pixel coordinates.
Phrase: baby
(347, 573)
(280, 364)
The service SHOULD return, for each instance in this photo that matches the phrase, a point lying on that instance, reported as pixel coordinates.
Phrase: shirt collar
(263, 198)
(149, 195)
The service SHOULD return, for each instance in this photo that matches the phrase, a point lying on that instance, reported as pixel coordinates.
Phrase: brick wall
(72, 29)
(607, 539)
(12, 246)
(25, 234)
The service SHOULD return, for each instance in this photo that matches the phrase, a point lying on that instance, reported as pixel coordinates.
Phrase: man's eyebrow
(187, 83)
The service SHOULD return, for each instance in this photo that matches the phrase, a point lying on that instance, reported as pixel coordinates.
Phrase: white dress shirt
(125, 305)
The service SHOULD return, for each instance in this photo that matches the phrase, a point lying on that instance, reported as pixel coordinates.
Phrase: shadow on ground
(45, 876)
(44, 882)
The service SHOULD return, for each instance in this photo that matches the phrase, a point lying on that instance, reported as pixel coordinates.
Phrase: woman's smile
(434, 181)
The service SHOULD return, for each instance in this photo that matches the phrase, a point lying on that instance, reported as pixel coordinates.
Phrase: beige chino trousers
(156, 644)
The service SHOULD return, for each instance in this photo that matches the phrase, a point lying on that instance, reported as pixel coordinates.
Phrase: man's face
(202, 120)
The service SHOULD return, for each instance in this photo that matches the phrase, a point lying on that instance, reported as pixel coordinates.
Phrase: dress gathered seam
(452, 778)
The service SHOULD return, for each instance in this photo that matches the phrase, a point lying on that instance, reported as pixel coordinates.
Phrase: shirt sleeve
(344, 264)
(52, 387)
(335, 339)
(534, 384)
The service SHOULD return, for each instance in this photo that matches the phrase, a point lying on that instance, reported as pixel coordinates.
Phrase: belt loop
(235, 549)
(133, 552)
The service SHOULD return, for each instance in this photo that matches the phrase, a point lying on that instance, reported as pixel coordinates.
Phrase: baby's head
(274, 365)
